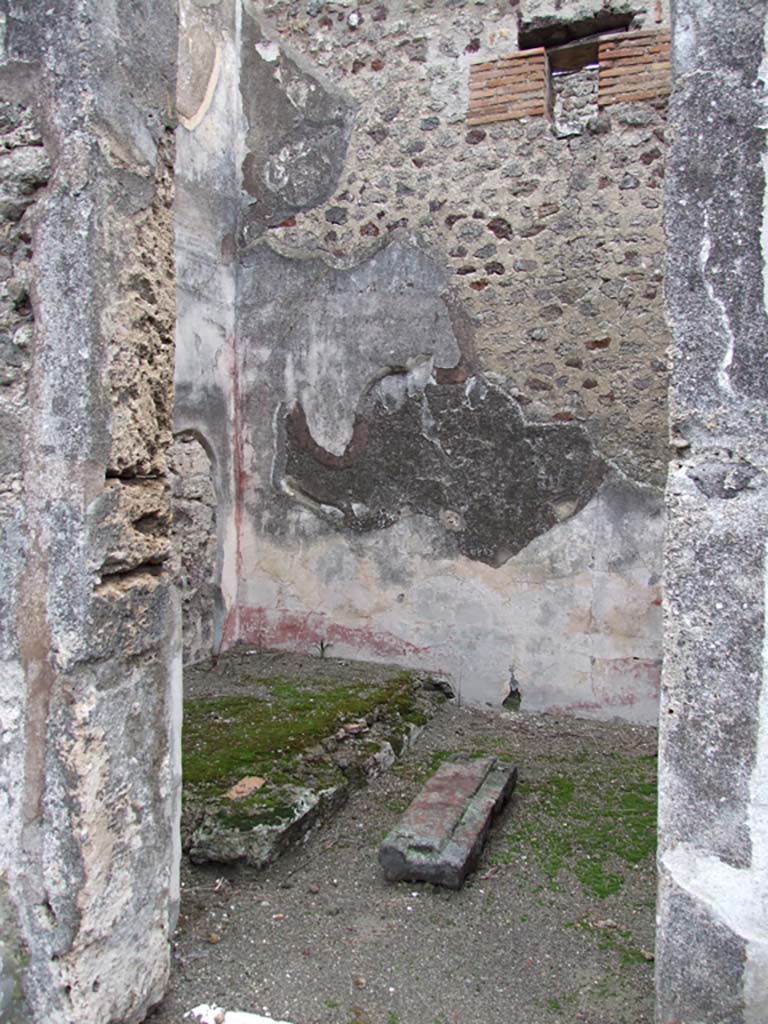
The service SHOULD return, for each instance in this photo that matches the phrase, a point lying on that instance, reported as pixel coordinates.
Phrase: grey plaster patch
(719, 475)
(335, 331)
(297, 129)
(713, 953)
(461, 454)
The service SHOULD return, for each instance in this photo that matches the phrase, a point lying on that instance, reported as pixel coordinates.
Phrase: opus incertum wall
(437, 420)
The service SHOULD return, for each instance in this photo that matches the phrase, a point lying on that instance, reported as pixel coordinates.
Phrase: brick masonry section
(509, 88)
(635, 68)
(441, 835)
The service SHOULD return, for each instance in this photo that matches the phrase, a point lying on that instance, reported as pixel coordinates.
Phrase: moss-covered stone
(310, 740)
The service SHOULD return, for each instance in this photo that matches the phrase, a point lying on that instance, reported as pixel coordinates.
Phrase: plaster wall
(712, 951)
(451, 362)
(206, 219)
(90, 681)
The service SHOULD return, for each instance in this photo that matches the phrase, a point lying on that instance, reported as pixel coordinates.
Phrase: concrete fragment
(440, 836)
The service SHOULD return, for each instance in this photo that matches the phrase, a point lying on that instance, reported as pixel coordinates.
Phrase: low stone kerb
(441, 835)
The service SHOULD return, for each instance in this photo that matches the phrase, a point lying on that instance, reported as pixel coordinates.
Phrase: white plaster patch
(575, 616)
(277, 173)
(210, 1014)
(328, 378)
(268, 51)
(298, 92)
(724, 370)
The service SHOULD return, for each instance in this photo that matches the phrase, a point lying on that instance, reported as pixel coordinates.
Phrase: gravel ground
(555, 926)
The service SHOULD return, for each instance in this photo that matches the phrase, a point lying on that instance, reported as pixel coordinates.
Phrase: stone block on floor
(441, 835)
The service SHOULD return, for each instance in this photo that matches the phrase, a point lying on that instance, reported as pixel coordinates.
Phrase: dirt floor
(557, 924)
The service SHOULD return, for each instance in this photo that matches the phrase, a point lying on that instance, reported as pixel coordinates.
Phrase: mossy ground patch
(307, 738)
(596, 822)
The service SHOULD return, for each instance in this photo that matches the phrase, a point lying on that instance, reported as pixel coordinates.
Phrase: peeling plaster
(464, 456)
(576, 614)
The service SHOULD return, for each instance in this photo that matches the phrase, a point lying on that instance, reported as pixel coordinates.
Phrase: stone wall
(553, 245)
(194, 539)
(713, 770)
(89, 697)
(450, 360)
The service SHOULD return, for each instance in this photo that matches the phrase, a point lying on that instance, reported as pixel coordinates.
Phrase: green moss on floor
(597, 822)
(227, 738)
(285, 733)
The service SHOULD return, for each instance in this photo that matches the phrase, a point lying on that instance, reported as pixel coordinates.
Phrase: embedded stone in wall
(574, 96)
(194, 542)
(132, 520)
(461, 454)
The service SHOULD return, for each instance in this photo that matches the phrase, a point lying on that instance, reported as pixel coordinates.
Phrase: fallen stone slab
(440, 837)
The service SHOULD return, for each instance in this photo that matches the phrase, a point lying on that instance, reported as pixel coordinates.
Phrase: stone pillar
(89, 631)
(713, 771)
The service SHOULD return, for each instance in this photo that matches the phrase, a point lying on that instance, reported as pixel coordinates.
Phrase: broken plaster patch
(268, 51)
(462, 456)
